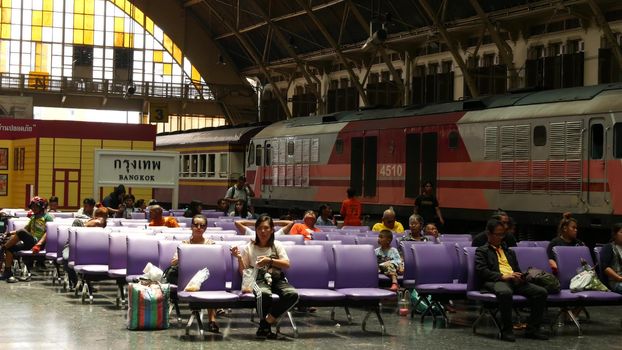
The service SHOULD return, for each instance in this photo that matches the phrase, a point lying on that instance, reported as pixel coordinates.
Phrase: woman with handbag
(269, 258)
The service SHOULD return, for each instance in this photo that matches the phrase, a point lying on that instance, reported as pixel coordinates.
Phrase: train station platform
(38, 315)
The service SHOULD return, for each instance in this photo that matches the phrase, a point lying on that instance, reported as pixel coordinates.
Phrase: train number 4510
(391, 170)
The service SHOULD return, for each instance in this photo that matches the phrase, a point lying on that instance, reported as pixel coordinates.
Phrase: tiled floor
(38, 315)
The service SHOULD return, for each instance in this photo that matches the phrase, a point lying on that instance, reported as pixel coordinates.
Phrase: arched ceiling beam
(353, 78)
(470, 82)
(604, 25)
(505, 51)
(248, 47)
(279, 18)
(280, 37)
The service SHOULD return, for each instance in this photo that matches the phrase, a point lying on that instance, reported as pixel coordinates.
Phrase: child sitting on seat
(389, 260)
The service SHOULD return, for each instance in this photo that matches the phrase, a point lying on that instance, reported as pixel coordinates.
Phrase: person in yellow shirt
(388, 223)
(498, 272)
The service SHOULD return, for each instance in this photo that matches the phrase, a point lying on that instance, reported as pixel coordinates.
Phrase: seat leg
(293, 323)
(364, 324)
(440, 309)
(381, 321)
(575, 320)
(424, 300)
(348, 314)
(190, 321)
(332, 314)
(200, 322)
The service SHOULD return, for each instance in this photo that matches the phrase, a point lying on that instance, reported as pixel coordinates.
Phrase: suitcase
(148, 306)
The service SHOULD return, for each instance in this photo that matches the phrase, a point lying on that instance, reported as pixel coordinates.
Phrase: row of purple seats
(543, 244)
(568, 261)
(355, 279)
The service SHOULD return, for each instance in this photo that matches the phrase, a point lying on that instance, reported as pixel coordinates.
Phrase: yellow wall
(18, 179)
(65, 160)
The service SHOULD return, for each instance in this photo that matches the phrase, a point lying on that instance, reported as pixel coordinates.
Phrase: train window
(539, 135)
(617, 140)
(211, 165)
(339, 146)
(251, 154)
(202, 165)
(268, 151)
(258, 151)
(185, 171)
(597, 138)
(453, 139)
(224, 164)
(195, 165)
(290, 147)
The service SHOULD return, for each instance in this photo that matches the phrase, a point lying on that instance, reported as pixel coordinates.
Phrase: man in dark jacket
(498, 272)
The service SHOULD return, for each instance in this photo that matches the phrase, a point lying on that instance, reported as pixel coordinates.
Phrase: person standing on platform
(241, 190)
(351, 209)
(427, 205)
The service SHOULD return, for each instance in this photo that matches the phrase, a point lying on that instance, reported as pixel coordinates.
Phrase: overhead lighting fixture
(375, 40)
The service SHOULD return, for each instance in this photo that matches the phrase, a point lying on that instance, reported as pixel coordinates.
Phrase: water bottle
(403, 303)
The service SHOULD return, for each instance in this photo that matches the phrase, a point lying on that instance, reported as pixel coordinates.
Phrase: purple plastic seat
(51, 240)
(357, 228)
(309, 272)
(525, 244)
(117, 263)
(117, 250)
(140, 251)
(138, 215)
(225, 225)
(297, 239)
(212, 293)
(542, 244)
(321, 236)
(408, 278)
(455, 238)
(434, 274)
(236, 238)
(568, 261)
(61, 239)
(327, 246)
(91, 257)
(356, 276)
(345, 239)
(62, 215)
(462, 269)
(601, 273)
(372, 241)
(166, 251)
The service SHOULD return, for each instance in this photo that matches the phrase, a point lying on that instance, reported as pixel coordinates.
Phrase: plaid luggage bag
(148, 306)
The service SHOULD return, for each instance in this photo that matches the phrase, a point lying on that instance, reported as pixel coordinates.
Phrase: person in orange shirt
(155, 214)
(307, 227)
(351, 209)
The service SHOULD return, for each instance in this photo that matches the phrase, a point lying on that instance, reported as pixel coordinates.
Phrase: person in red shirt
(307, 228)
(351, 209)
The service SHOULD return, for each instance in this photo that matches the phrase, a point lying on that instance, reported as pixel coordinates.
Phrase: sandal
(213, 327)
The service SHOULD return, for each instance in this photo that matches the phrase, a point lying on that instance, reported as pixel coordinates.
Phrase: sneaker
(12, 279)
(25, 279)
(213, 327)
